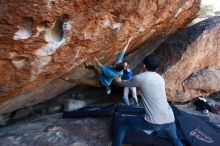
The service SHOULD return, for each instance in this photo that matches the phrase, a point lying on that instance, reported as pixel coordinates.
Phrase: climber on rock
(104, 74)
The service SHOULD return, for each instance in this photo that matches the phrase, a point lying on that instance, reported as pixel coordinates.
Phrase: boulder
(190, 61)
(3, 121)
(23, 113)
(73, 104)
(54, 109)
(41, 40)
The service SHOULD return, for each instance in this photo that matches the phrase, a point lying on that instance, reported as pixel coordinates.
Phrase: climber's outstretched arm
(126, 47)
(120, 56)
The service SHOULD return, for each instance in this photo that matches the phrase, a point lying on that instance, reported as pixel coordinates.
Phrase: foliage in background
(207, 11)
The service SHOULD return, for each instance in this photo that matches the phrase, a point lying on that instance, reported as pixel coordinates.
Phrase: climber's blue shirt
(109, 73)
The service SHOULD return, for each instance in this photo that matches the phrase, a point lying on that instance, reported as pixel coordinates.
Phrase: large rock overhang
(41, 40)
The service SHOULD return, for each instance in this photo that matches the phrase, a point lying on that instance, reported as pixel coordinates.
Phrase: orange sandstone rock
(43, 39)
(190, 61)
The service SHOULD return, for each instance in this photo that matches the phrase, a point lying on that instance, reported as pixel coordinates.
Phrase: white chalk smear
(116, 26)
(22, 34)
(39, 30)
(19, 63)
(43, 55)
(106, 23)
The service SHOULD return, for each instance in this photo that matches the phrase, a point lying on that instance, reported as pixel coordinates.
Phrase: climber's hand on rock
(131, 37)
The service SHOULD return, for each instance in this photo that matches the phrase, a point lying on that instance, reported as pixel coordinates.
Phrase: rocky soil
(52, 130)
(42, 124)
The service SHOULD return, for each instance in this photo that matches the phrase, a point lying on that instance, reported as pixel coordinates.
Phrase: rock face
(53, 130)
(190, 61)
(43, 39)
